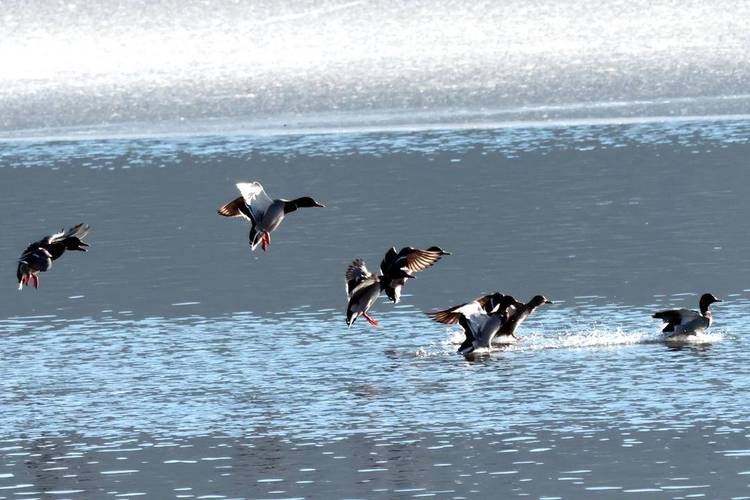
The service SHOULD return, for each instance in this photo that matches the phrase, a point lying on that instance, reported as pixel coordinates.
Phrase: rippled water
(302, 375)
(169, 362)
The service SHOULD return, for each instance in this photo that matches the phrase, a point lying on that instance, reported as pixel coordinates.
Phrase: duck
(687, 321)
(481, 319)
(517, 314)
(262, 213)
(364, 287)
(39, 255)
(400, 266)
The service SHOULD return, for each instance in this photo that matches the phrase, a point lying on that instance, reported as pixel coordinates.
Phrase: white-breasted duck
(363, 287)
(38, 256)
(686, 321)
(263, 213)
(481, 319)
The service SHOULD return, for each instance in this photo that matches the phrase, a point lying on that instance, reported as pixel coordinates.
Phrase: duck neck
(515, 319)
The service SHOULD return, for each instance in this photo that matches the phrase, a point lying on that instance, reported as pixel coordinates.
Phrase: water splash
(581, 338)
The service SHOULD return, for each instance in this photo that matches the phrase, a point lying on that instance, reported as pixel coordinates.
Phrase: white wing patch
(255, 197)
(475, 315)
(55, 237)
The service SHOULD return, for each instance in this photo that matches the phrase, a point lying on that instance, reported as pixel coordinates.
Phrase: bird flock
(492, 318)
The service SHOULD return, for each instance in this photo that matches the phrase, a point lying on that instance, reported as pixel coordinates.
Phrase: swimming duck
(687, 321)
(363, 287)
(481, 319)
(263, 213)
(517, 314)
(39, 255)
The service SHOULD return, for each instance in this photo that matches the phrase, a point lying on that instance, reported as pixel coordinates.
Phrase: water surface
(170, 362)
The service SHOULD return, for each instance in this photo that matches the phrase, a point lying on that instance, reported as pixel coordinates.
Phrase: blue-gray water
(170, 362)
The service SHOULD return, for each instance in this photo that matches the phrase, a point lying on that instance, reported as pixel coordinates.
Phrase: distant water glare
(178, 64)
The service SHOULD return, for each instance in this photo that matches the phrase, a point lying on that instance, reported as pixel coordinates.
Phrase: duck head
(307, 202)
(74, 243)
(706, 300)
(538, 300)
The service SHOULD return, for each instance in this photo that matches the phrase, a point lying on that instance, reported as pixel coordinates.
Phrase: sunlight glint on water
(93, 64)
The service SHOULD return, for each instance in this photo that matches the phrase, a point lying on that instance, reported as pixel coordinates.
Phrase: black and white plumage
(263, 213)
(400, 266)
(362, 290)
(363, 287)
(686, 321)
(481, 319)
(38, 256)
(517, 314)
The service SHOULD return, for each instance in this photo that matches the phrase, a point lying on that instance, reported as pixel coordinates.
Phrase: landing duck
(38, 256)
(262, 213)
(517, 314)
(363, 287)
(481, 319)
(687, 321)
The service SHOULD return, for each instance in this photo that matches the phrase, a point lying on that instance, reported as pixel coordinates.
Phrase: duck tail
(78, 231)
(256, 238)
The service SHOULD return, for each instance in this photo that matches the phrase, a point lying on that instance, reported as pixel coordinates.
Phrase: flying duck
(481, 319)
(39, 255)
(263, 213)
(517, 314)
(363, 287)
(399, 267)
(687, 321)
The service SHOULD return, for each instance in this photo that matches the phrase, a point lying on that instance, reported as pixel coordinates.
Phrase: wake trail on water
(579, 339)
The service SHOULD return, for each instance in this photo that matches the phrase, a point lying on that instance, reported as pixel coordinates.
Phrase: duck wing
(34, 246)
(67, 239)
(255, 198)
(43, 244)
(236, 208)
(470, 311)
(513, 308)
(410, 260)
(676, 317)
(473, 318)
(78, 231)
(36, 258)
(356, 274)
